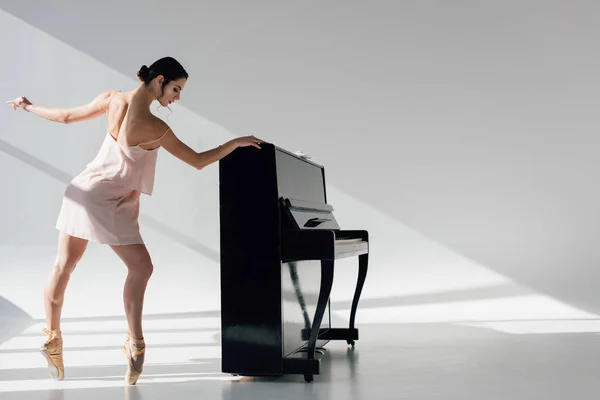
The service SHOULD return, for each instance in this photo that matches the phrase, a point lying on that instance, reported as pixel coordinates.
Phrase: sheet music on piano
(301, 154)
(279, 242)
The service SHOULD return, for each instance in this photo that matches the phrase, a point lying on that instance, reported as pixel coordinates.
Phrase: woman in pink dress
(102, 202)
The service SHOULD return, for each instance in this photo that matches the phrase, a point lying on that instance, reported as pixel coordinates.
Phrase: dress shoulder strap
(156, 140)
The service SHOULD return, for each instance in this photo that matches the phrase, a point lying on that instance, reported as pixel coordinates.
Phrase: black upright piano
(279, 242)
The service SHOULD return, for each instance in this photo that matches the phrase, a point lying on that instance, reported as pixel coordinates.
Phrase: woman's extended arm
(93, 109)
(177, 148)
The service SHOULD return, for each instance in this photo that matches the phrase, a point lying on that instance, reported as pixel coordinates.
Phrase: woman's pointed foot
(52, 350)
(134, 350)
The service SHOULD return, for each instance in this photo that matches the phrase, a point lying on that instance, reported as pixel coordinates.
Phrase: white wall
(461, 134)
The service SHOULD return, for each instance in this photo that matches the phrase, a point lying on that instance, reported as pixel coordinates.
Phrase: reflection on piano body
(279, 241)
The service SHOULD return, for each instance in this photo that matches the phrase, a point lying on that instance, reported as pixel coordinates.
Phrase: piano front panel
(303, 180)
(300, 283)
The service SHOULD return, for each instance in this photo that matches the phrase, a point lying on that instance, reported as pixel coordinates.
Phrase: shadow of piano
(279, 242)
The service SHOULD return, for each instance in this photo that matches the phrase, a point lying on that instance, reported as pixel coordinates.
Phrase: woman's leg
(139, 265)
(69, 252)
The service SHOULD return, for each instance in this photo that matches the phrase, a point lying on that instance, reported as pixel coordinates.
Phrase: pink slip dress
(102, 203)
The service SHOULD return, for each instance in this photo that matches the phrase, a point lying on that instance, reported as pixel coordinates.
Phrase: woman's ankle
(54, 333)
(136, 340)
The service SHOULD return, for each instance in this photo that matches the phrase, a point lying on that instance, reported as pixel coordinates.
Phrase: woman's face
(171, 92)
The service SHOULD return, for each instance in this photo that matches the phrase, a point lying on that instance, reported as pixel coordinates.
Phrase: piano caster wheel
(308, 378)
(350, 342)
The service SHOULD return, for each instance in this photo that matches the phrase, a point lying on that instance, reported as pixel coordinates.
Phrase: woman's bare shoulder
(159, 126)
(153, 129)
(116, 101)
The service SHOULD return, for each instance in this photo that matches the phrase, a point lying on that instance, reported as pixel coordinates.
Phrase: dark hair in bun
(143, 73)
(168, 67)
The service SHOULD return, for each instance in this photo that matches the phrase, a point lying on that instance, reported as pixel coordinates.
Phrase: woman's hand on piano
(245, 141)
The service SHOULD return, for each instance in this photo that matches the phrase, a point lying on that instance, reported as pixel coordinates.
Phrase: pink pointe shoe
(52, 350)
(134, 350)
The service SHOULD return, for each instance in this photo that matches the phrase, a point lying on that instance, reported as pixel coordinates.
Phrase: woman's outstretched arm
(177, 148)
(93, 109)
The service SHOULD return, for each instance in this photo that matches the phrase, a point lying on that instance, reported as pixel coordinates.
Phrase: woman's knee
(147, 271)
(70, 251)
(64, 265)
(137, 259)
(142, 269)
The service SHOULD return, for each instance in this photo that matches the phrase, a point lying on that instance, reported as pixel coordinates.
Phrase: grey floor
(500, 341)
(390, 361)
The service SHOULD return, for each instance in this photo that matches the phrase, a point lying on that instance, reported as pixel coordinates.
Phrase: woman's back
(131, 124)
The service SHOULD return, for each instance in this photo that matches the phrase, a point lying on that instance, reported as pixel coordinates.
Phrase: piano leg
(324, 292)
(363, 261)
